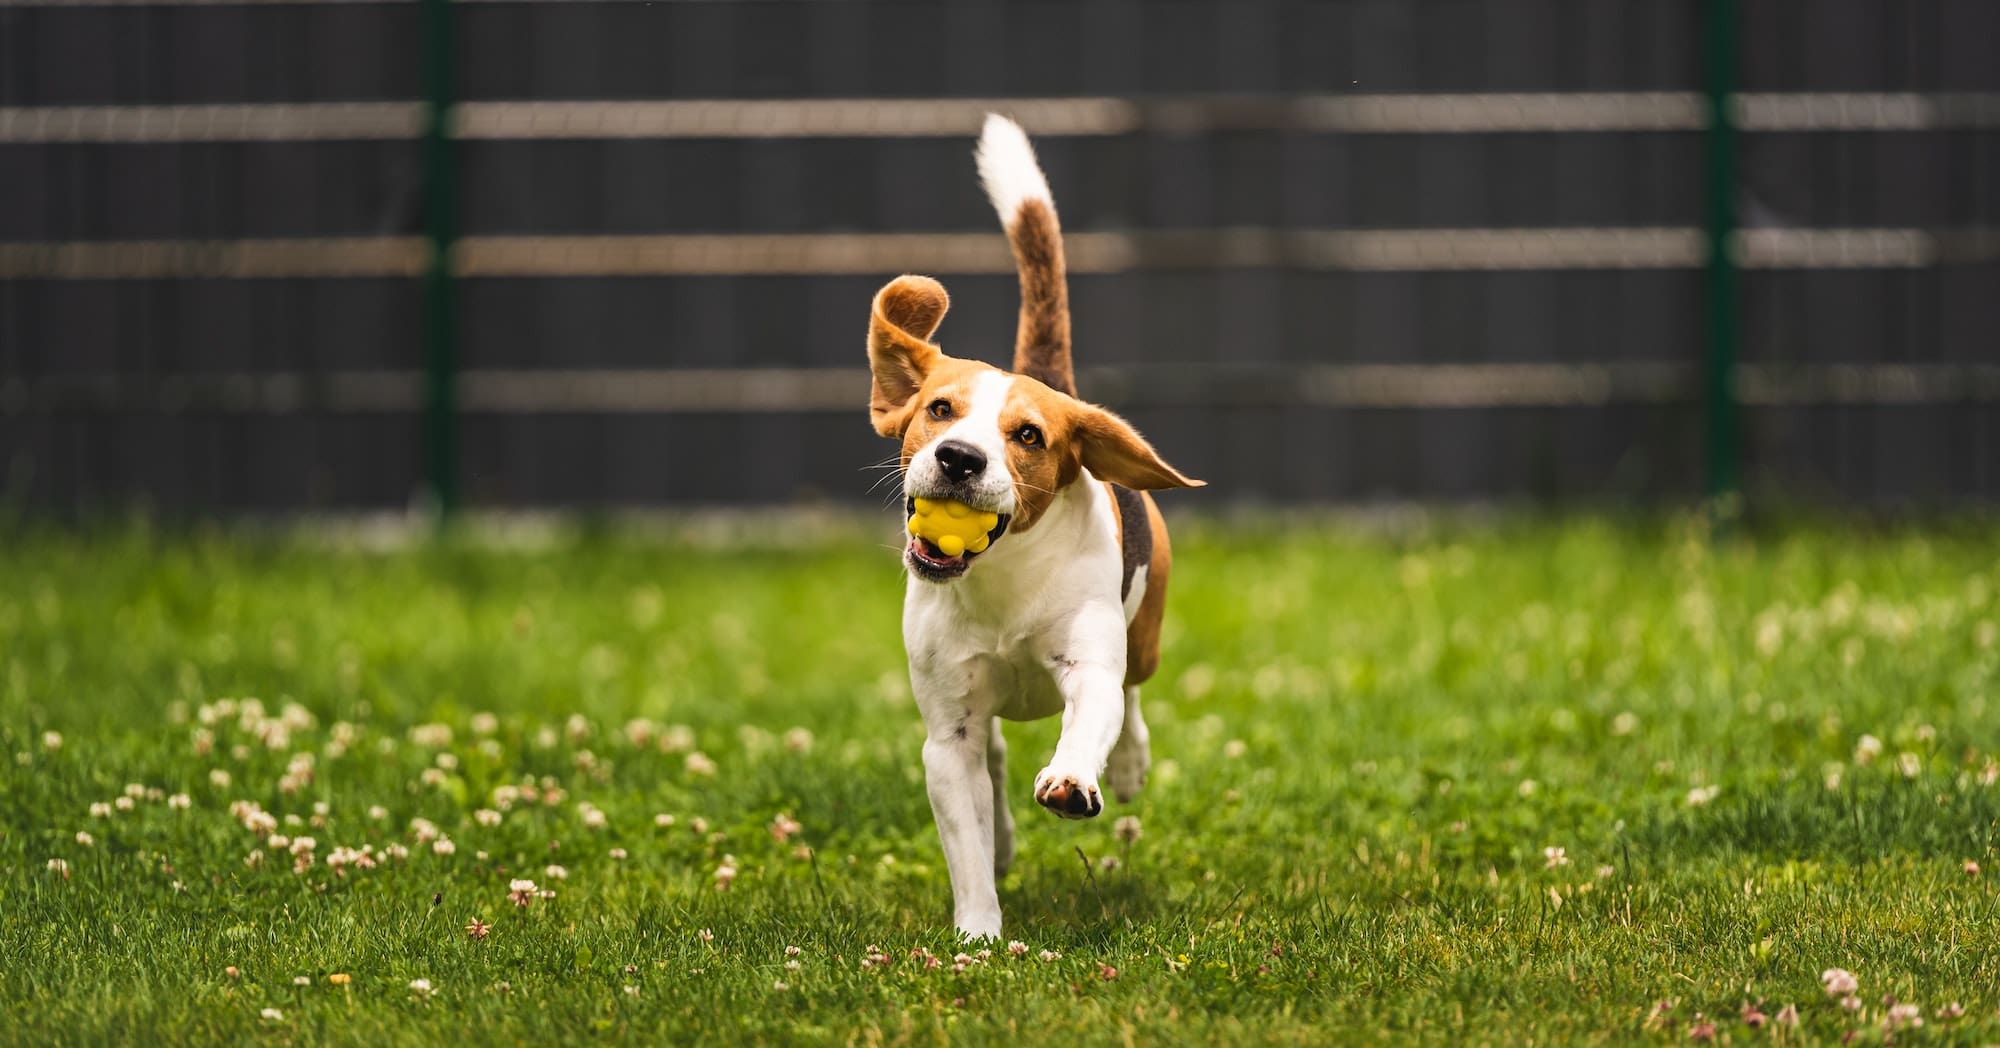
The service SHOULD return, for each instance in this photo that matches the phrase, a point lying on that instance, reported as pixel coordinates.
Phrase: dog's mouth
(932, 564)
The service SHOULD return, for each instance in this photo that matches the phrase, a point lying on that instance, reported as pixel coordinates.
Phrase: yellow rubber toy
(953, 527)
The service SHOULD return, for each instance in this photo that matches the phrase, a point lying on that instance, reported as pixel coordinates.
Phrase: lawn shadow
(1080, 893)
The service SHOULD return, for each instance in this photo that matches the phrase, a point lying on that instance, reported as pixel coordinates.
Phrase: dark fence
(1445, 249)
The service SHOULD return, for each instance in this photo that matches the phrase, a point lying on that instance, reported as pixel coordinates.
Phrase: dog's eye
(1028, 435)
(940, 408)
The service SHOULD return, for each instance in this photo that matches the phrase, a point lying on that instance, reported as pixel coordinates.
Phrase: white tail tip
(1007, 167)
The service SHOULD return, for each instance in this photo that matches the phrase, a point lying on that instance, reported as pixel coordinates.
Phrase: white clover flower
(1126, 828)
(1554, 856)
(52, 740)
(556, 873)
(219, 778)
(699, 763)
(486, 817)
(1839, 982)
(420, 987)
(1866, 749)
(180, 802)
(85, 839)
(443, 846)
(431, 736)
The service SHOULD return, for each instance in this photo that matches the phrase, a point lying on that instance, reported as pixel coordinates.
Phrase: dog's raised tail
(1020, 193)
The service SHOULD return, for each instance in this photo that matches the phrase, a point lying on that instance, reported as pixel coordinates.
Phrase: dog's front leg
(1088, 664)
(962, 803)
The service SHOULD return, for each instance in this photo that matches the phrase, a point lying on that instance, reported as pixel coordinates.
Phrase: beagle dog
(1058, 611)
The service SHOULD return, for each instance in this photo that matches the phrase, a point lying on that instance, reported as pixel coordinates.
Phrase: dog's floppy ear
(1112, 450)
(907, 310)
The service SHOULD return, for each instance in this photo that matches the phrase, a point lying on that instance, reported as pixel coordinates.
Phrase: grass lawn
(1518, 783)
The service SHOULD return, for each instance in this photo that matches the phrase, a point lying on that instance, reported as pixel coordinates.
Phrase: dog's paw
(1069, 796)
(978, 927)
(1126, 771)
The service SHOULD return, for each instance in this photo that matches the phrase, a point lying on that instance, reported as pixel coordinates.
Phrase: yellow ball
(953, 527)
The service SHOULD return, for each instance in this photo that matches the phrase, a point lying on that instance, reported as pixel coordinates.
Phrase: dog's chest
(991, 669)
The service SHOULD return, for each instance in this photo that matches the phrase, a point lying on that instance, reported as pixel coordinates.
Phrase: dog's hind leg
(1003, 818)
(1125, 772)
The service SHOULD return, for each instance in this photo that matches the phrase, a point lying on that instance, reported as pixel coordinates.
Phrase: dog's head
(994, 440)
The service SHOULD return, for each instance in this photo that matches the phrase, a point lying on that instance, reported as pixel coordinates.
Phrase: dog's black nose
(959, 460)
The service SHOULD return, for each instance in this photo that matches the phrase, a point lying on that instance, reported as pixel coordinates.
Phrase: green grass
(1364, 746)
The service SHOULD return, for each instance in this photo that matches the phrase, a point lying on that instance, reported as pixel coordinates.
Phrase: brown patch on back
(1142, 636)
(1041, 341)
(1135, 535)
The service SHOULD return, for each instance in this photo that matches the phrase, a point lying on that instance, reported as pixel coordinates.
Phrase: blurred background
(313, 256)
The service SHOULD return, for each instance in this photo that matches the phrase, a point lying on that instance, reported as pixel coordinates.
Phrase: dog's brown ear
(907, 310)
(1112, 450)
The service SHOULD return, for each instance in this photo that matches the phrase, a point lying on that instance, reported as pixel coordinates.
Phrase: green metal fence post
(441, 227)
(1724, 441)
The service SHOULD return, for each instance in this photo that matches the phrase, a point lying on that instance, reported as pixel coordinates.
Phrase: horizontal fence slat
(1422, 113)
(792, 390)
(961, 253)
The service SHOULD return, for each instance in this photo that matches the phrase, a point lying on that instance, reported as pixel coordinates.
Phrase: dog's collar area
(931, 563)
